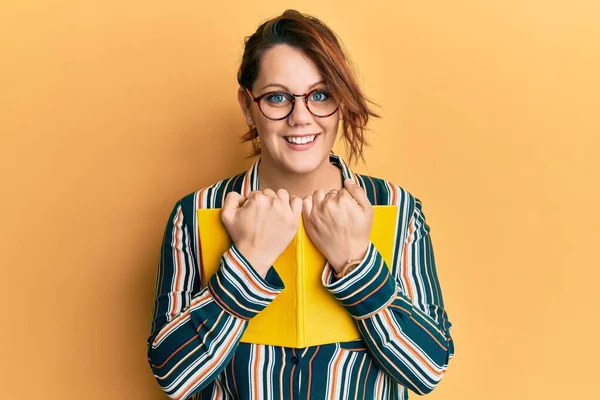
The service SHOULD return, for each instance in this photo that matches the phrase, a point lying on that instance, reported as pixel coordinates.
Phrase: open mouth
(300, 139)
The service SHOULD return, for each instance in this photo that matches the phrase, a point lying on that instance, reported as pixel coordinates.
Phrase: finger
(358, 194)
(233, 200)
(332, 194)
(296, 205)
(231, 205)
(343, 196)
(256, 196)
(317, 197)
(253, 194)
(270, 193)
(307, 205)
(284, 196)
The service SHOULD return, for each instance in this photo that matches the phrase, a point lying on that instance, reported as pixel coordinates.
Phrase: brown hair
(313, 38)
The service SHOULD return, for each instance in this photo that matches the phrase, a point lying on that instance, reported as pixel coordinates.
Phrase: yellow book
(304, 313)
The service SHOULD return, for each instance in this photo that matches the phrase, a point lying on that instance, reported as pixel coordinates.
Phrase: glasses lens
(321, 103)
(276, 105)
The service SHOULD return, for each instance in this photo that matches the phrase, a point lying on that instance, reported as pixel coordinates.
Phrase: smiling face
(300, 143)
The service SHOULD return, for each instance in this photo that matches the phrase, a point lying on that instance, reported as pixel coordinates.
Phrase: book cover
(304, 313)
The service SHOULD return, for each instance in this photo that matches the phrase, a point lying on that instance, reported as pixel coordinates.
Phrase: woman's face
(284, 68)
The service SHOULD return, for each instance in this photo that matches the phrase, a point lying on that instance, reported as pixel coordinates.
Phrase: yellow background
(110, 111)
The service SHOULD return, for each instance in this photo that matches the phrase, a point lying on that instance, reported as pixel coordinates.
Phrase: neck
(325, 177)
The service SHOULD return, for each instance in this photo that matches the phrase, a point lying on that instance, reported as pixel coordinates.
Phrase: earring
(249, 119)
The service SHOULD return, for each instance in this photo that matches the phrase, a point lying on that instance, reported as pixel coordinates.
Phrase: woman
(296, 87)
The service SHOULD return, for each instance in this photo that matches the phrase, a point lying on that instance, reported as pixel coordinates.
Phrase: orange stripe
(232, 187)
(221, 303)
(394, 193)
(292, 376)
(200, 264)
(410, 347)
(382, 365)
(328, 274)
(233, 297)
(197, 347)
(281, 373)
(204, 194)
(310, 370)
(422, 327)
(186, 343)
(367, 378)
(234, 182)
(246, 183)
(405, 263)
(225, 191)
(334, 376)
(250, 277)
(374, 191)
(374, 290)
(182, 346)
(233, 375)
(364, 285)
(362, 362)
(167, 328)
(191, 353)
(256, 349)
(390, 301)
(378, 388)
(216, 362)
(175, 352)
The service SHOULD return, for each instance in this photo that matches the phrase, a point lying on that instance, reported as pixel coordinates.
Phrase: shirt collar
(251, 180)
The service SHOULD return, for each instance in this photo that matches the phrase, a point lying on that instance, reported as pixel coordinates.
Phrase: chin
(304, 164)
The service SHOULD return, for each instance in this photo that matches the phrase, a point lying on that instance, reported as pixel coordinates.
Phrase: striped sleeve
(400, 312)
(196, 331)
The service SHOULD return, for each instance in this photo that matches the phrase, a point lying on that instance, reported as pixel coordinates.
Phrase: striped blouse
(194, 349)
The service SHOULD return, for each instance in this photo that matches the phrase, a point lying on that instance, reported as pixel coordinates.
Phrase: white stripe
(200, 365)
(394, 347)
(176, 323)
(177, 245)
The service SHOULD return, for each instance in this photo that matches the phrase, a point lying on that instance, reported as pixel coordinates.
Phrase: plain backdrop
(110, 111)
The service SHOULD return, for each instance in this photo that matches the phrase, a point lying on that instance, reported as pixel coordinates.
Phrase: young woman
(296, 88)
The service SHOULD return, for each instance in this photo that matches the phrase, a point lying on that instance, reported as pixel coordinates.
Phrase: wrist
(260, 264)
(350, 266)
(338, 263)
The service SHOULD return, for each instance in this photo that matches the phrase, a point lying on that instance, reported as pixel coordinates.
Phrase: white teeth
(300, 140)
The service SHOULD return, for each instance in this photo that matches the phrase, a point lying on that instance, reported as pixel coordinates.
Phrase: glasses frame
(305, 95)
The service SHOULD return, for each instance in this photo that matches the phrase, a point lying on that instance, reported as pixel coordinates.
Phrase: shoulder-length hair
(314, 39)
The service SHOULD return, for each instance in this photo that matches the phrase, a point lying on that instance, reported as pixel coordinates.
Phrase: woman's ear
(244, 101)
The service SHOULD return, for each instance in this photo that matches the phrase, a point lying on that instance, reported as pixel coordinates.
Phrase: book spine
(300, 273)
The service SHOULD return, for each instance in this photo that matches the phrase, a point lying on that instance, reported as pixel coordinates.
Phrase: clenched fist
(339, 223)
(261, 225)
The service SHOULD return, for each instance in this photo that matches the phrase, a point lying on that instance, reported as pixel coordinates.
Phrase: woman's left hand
(339, 223)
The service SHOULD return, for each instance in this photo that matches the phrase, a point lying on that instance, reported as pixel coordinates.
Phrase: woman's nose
(300, 114)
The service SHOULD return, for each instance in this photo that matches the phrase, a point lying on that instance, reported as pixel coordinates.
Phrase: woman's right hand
(261, 225)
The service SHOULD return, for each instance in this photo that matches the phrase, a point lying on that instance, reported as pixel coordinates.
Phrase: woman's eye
(276, 98)
(319, 96)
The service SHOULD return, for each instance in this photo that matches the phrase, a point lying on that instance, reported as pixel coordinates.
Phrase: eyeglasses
(279, 105)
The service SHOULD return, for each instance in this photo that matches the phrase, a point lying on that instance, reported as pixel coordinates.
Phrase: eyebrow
(286, 88)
